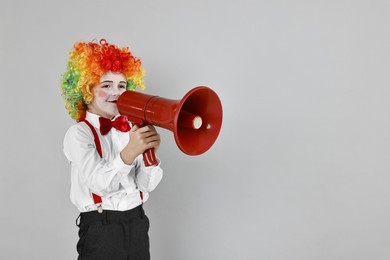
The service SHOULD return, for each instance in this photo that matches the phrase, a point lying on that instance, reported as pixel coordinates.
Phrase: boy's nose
(115, 93)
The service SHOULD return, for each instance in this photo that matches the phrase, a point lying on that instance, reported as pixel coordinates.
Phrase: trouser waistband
(108, 216)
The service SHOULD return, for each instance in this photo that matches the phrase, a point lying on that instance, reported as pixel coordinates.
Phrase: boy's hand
(141, 139)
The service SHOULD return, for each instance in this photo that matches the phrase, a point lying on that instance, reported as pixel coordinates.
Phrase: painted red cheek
(102, 94)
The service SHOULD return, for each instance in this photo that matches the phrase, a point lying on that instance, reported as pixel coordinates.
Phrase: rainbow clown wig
(88, 61)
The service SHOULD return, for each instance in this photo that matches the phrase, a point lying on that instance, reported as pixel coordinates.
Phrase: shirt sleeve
(147, 178)
(100, 176)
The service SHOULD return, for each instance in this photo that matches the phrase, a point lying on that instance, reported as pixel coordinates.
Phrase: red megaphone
(195, 120)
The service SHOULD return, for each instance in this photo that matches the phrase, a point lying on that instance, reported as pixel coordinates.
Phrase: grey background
(300, 169)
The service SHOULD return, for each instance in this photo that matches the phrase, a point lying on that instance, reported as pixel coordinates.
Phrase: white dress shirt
(109, 177)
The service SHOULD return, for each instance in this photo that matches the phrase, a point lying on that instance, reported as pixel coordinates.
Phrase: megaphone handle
(150, 157)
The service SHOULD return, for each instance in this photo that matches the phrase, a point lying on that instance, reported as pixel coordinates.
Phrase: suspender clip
(99, 208)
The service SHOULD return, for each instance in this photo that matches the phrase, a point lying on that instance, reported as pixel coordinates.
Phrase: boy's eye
(122, 86)
(106, 86)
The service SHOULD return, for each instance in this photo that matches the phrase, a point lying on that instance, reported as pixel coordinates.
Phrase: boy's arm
(147, 178)
(100, 176)
(141, 139)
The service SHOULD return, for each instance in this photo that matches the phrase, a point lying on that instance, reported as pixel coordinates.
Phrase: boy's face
(106, 94)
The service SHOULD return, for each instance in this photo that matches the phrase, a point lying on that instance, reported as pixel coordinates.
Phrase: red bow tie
(120, 123)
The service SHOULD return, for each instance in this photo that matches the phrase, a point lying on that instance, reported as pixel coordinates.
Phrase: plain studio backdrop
(300, 170)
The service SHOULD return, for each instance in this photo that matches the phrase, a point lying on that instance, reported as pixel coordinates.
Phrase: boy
(109, 180)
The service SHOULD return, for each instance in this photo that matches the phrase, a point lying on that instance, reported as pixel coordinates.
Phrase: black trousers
(114, 235)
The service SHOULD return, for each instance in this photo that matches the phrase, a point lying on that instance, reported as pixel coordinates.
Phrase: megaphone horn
(195, 120)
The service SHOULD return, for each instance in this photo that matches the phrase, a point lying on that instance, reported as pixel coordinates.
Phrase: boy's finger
(146, 128)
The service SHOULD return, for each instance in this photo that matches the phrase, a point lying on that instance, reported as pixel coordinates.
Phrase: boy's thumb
(134, 128)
